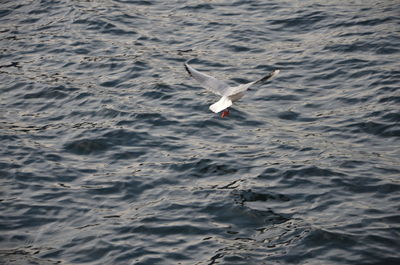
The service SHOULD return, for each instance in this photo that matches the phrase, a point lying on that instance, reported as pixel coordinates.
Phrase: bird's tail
(221, 104)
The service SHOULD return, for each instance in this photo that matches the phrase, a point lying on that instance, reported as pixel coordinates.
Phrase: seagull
(228, 94)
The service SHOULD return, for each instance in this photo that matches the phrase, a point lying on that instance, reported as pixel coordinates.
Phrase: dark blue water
(109, 154)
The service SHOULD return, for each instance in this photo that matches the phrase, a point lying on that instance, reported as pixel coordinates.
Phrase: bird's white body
(228, 94)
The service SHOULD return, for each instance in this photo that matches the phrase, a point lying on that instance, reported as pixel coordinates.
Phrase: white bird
(228, 94)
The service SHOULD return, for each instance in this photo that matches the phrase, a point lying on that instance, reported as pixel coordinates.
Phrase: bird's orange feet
(224, 113)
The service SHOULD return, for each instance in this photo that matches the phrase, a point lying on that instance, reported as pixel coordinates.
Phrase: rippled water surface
(110, 155)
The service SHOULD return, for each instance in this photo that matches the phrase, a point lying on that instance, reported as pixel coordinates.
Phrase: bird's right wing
(267, 77)
(243, 87)
(211, 83)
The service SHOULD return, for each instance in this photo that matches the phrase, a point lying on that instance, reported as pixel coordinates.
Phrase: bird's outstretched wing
(231, 91)
(211, 83)
(267, 77)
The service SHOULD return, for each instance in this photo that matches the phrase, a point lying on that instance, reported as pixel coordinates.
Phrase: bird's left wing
(209, 82)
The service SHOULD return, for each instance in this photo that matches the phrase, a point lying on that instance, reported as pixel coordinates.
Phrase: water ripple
(110, 154)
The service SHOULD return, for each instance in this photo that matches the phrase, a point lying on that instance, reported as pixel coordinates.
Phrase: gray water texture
(110, 155)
